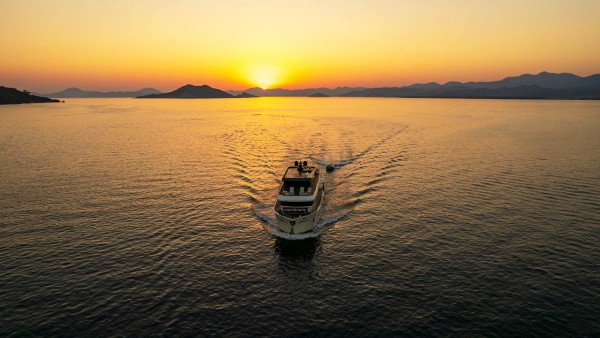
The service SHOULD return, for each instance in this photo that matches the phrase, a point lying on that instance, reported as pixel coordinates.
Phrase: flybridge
(300, 183)
(300, 172)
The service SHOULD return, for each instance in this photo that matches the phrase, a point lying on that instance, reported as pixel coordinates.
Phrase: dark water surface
(124, 217)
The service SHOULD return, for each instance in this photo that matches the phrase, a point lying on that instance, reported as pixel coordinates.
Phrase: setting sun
(345, 43)
(264, 75)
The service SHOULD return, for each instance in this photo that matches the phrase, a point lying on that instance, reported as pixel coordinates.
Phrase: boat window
(296, 185)
(296, 204)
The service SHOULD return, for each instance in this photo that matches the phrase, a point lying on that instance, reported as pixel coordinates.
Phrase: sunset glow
(264, 75)
(51, 45)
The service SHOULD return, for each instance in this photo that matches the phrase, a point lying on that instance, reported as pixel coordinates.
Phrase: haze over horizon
(235, 45)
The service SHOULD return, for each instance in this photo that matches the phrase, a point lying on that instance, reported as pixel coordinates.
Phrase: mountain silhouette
(78, 93)
(245, 95)
(543, 79)
(339, 91)
(191, 92)
(15, 96)
(544, 85)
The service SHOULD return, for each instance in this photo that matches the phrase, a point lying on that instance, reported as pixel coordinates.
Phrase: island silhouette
(78, 93)
(191, 92)
(15, 96)
(527, 86)
(545, 85)
(246, 95)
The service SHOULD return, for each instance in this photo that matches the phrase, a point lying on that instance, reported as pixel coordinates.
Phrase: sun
(264, 75)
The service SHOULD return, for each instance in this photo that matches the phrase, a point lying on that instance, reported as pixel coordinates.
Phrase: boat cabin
(299, 180)
(299, 193)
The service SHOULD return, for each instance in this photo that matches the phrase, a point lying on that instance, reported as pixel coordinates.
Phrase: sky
(48, 46)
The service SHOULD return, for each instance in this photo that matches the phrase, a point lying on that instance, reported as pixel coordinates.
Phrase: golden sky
(129, 44)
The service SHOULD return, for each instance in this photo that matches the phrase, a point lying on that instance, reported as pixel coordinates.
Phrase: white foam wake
(336, 164)
(352, 158)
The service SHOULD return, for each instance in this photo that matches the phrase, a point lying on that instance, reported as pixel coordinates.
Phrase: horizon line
(299, 88)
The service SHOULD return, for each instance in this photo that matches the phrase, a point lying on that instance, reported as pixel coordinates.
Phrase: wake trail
(367, 150)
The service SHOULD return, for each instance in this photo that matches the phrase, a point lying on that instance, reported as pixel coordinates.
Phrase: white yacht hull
(299, 201)
(300, 224)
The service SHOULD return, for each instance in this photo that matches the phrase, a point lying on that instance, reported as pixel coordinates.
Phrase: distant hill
(245, 95)
(78, 93)
(541, 86)
(339, 91)
(563, 86)
(543, 79)
(191, 92)
(15, 96)
(527, 86)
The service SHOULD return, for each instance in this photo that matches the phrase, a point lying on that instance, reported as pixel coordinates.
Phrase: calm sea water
(125, 217)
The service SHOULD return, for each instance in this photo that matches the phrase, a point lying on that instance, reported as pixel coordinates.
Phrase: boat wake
(353, 158)
(256, 155)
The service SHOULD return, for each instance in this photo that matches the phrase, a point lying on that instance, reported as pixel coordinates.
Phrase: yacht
(300, 198)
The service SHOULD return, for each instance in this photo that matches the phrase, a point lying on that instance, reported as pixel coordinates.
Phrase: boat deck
(294, 173)
(300, 182)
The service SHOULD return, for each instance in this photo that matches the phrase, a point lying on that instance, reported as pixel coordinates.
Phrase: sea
(443, 218)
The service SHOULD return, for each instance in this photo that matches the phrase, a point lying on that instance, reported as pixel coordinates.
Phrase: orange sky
(126, 45)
